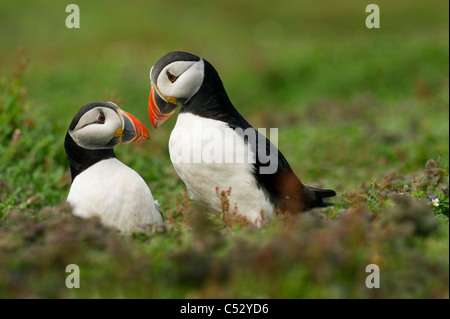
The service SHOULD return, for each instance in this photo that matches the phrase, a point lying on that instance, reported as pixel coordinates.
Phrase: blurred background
(351, 105)
(339, 92)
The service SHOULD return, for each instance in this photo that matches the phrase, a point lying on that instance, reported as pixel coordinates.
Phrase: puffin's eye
(101, 117)
(171, 77)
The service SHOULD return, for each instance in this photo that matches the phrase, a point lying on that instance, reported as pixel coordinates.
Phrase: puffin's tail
(320, 194)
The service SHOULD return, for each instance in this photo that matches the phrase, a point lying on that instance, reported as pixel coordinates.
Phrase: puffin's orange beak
(134, 130)
(158, 109)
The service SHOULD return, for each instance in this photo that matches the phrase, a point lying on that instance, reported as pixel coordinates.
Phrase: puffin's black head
(100, 125)
(95, 130)
(179, 78)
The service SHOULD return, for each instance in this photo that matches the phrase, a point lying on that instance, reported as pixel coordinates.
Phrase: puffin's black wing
(281, 184)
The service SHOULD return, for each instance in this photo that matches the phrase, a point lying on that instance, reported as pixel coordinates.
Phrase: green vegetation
(365, 112)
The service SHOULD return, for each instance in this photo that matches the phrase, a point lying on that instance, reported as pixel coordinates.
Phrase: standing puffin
(262, 184)
(102, 185)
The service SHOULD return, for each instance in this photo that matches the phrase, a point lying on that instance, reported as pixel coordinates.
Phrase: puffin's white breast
(207, 154)
(115, 193)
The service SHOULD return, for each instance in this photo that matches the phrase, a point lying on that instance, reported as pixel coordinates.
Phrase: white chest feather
(115, 193)
(208, 155)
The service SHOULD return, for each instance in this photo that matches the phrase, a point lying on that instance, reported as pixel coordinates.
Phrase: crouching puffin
(212, 147)
(102, 185)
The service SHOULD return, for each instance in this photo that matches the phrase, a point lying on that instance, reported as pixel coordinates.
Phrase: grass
(364, 112)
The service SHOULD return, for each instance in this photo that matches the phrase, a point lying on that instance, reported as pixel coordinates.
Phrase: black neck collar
(81, 158)
(211, 101)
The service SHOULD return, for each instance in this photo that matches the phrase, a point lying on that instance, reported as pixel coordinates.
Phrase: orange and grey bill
(134, 130)
(156, 116)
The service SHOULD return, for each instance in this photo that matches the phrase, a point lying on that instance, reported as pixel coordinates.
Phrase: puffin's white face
(179, 80)
(102, 125)
(97, 128)
(175, 79)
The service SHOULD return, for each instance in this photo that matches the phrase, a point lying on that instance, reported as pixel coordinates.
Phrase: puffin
(103, 186)
(214, 149)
